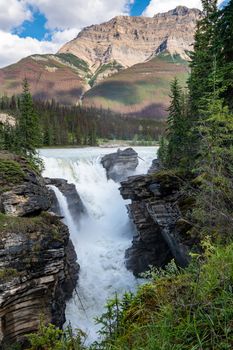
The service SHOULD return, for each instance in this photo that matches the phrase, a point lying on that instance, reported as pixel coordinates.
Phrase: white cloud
(13, 48)
(13, 13)
(65, 14)
(62, 36)
(157, 6)
(65, 18)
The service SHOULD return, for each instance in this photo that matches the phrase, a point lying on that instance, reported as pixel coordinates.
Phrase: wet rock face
(74, 201)
(121, 164)
(38, 268)
(160, 234)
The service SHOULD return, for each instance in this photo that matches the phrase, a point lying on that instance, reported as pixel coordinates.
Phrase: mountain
(141, 90)
(125, 64)
(131, 40)
(60, 77)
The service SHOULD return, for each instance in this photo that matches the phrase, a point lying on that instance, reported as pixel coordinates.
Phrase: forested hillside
(80, 126)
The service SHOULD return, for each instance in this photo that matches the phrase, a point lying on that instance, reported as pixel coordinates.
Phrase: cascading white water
(100, 238)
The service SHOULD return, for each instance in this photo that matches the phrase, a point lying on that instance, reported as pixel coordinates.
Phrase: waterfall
(100, 238)
(65, 212)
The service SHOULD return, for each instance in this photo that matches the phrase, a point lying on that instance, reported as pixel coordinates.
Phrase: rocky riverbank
(38, 268)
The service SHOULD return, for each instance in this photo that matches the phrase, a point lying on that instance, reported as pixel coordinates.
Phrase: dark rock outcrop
(74, 201)
(22, 190)
(121, 164)
(156, 214)
(38, 268)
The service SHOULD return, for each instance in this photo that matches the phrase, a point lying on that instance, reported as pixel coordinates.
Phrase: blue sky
(43, 26)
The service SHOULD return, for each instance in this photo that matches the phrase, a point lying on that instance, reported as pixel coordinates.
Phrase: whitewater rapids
(102, 236)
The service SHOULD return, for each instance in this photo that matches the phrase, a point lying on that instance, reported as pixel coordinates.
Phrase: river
(102, 236)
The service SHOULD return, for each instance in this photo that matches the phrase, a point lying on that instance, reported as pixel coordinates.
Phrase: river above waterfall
(100, 237)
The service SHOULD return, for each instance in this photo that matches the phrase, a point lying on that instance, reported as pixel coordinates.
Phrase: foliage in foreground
(51, 338)
(179, 309)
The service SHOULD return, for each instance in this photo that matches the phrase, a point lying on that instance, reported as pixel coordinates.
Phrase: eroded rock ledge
(121, 164)
(38, 268)
(156, 211)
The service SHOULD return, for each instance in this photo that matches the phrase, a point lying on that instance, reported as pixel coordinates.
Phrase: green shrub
(190, 309)
(49, 337)
(10, 172)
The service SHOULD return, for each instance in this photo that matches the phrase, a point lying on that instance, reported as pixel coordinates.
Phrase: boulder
(121, 164)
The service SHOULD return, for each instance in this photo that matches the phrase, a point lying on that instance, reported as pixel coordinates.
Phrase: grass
(7, 274)
(11, 172)
(73, 60)
(190, 309)
(35, 227)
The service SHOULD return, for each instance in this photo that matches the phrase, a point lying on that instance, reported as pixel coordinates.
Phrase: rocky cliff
(38, 269)
(157, 210)
(131, 40)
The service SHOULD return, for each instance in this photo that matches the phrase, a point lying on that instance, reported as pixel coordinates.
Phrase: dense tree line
(77, 125)
(199, 137)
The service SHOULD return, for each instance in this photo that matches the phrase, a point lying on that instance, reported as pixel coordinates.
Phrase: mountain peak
(131, 40)
(180, 11)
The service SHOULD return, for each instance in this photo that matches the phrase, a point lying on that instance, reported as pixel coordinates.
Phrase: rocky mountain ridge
(124, 65)
(131, 40)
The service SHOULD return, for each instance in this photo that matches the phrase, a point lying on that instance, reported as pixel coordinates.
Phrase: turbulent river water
(100, 237)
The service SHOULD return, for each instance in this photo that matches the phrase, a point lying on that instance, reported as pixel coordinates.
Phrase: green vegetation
(75, 61)
(51, 338)
(190, 308)
(80, 126)
(34, 227)
(25, 137)
(7, 274)
(178, 310)
(10, 172)
(104, 68)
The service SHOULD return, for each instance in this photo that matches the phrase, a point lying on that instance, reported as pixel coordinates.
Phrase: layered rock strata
(121, 164)
(38, 268)
(161, 232)
(130, 40)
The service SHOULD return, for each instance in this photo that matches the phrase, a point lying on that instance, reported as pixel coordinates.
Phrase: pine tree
(225, 39)
(28, 130)
(177, 127)
(205, 51)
